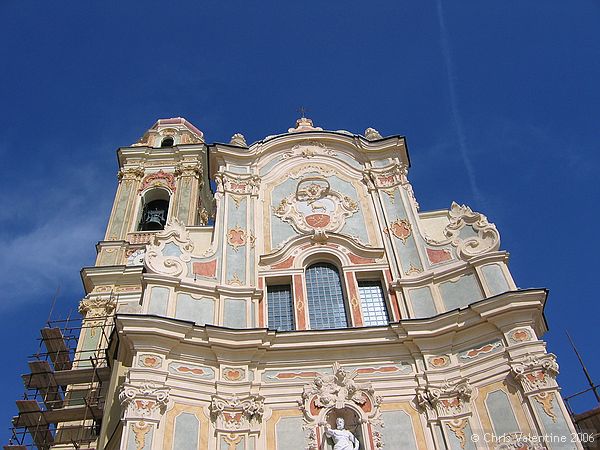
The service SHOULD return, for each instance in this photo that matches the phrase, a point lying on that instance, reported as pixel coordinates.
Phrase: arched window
(326, 306)
(167, 142)
(155, 208)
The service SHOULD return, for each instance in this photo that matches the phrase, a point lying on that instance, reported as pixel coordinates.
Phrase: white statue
(343, 439)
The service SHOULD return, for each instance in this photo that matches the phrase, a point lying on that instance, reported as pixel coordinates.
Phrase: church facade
(256, 294)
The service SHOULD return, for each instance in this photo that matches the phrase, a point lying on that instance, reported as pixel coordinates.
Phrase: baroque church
(291, 295)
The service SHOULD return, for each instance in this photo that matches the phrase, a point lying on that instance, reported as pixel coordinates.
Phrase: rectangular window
(280, 307)
(373, 303)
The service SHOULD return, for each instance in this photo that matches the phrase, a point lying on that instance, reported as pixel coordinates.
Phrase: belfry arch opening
(154, 210)
(167, 142)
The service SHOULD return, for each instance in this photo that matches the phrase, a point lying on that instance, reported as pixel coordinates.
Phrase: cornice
(518, 306)
(450, 270)
(189, 285)
(109, 275)
(298, 241)
(268, 146)
(144, 153)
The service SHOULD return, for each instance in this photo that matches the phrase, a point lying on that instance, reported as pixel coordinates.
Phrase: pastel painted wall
(289, 433)
(234, 313)
(501, 414)
(460, 292)
(159, 300)
(187, 432)
(398, 433)
(199, 310)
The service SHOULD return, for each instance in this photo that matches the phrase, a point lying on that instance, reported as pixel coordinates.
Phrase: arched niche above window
(154, 210)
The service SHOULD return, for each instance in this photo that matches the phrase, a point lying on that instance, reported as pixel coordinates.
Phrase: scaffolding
(63, 402)
(587, 423)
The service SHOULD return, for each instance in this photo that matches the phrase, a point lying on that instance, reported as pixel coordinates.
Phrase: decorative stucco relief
(536, 373)
(236, 237)
(447, 401)
(309, 149)
(158, 179)
(189, 169)
(400, 229)
(237, 184)
(97, 307)
(520, 335)
(234, 373)
(474, 353)
(457, 426)
(140, 430)
(386, 180)
(151, 361)
(518, 441)
(177, 128)
(336, 391)
(176, 234)
(315, 207)
(131, 173)
(546, 400)
(237, 413)
(481, 236)
(143, 402)
(439, 361)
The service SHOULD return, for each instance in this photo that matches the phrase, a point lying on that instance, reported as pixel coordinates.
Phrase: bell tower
(162, 177)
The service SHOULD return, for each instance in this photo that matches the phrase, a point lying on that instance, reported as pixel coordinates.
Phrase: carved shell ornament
(315, 207)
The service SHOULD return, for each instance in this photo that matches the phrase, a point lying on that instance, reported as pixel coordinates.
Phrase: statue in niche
(343, 439)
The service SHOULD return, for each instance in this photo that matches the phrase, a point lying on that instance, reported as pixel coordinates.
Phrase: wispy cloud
(48, 234)
(456, 116)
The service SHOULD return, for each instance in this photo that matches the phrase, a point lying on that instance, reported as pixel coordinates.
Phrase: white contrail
(462, 141)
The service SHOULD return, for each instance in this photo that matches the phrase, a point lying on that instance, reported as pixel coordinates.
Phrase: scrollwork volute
(188, 169)
(237, 413)
(97, 307)
(468, 231)
(487, 238)
(131, 173)
(147, 402)
(176, 234)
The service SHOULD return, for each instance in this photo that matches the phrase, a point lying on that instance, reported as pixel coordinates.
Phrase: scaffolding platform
(63, 401)
(42, 375)
(57, 348)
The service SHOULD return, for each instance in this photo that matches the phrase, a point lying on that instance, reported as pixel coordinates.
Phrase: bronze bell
(154, 216)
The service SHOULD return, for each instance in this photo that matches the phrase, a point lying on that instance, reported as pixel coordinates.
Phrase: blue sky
(499, 101)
